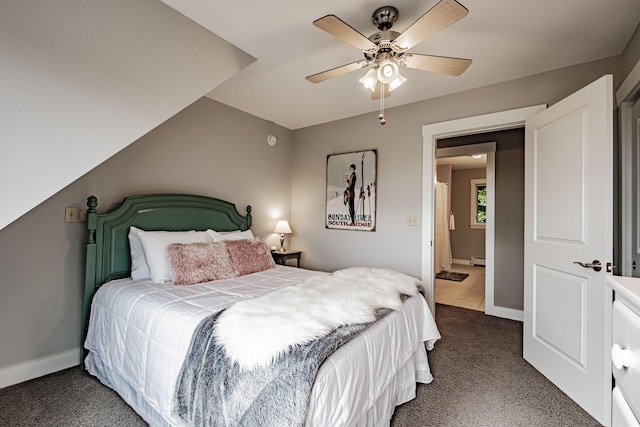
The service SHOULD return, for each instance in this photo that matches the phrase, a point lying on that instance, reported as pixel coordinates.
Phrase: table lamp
(282, 227)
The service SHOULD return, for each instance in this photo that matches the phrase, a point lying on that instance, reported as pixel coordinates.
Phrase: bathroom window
(478, 203)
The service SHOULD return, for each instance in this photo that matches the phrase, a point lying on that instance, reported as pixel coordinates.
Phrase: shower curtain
(443, 256)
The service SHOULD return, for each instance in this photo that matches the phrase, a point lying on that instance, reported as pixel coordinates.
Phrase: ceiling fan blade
(340, 29)
(375, 95)
(436, 19)
(338, 71)
(438, 64)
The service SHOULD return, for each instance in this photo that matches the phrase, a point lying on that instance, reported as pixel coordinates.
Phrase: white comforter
(140, 331)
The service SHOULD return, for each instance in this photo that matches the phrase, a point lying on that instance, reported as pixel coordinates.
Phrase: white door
(568, 219)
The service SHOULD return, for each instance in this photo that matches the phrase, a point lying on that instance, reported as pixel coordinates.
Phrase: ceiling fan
(387, 49)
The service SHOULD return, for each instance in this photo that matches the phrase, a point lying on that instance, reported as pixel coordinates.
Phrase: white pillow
(219, 236)
(139, 268)
(155, 245)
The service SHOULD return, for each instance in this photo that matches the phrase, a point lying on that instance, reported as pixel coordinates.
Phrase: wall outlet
(75, 215)
(412, 220)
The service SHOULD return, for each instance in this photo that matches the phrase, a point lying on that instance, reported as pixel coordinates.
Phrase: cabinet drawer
(621, 414)
(626, 337)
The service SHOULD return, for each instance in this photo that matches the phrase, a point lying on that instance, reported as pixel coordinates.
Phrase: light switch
(412, 220)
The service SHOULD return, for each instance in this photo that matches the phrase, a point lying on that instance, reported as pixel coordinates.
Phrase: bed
(138, 333)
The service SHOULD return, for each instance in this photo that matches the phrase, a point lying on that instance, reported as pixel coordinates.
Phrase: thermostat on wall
(271, 139)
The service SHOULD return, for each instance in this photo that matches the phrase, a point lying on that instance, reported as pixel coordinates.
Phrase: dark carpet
(480, 379)
(450, 275)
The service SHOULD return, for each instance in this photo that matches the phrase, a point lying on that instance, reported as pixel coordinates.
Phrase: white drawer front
(626, 349)
(621, 414)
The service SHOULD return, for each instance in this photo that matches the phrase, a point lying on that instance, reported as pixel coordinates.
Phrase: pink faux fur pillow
(199, 262)
(249, 255)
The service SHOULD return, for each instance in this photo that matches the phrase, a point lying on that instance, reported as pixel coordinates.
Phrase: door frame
(627, 94)
(503, 120)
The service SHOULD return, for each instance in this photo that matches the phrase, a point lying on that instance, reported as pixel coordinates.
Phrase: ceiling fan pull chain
(381, 115)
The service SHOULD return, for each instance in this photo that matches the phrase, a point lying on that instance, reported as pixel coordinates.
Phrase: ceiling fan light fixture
(388, 71)
(369, 80)
(397, 82)
(387, 49)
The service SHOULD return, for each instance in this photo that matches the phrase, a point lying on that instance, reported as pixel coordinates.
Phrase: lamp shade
(369, 80)
(397, 82)
(282, 227)
(388, 71)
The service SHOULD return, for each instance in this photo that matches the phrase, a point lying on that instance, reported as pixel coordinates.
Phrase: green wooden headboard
(108, 256)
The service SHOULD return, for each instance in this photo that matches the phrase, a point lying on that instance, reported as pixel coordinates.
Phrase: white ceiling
(506, 39)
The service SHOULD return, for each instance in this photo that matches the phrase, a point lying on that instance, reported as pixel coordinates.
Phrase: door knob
(595, 264)
(621, 357)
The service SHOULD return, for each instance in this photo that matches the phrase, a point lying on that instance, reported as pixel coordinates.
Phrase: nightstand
(281, 257)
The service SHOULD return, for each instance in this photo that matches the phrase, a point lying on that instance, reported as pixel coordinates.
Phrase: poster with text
(351, 191)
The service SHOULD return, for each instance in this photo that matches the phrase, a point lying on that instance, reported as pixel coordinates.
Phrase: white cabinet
(625, 351)
(621, 413)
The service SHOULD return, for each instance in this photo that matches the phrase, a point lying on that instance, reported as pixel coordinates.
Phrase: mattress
(139, 334)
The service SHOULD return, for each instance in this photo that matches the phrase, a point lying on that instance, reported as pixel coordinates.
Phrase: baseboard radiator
(476, 260)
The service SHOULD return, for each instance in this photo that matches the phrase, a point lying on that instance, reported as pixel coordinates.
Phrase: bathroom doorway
(504, 253)
(461, 216)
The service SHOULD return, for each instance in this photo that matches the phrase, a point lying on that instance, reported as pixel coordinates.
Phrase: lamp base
(281, 242)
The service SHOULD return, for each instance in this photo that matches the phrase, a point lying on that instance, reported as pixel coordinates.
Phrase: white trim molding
(626, 189)
(626, 96)
(505, 313)
(37, 368)
(430, 134)
(630, 86)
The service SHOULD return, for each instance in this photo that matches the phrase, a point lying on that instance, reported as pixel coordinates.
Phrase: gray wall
(509, 253)
(465, 241)
(208, 149)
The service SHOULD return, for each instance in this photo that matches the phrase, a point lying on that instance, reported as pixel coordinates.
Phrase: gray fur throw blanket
(212, 390)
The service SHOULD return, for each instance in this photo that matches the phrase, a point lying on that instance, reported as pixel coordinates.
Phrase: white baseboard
(461, 261)
(36, 368)
(505, 313)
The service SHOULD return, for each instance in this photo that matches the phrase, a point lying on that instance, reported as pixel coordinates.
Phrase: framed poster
(351, 191)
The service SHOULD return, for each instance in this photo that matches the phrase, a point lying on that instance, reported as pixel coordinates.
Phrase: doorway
(461, 215)
(431, 135)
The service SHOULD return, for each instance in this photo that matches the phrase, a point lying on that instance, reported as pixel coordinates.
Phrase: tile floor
(467, 294)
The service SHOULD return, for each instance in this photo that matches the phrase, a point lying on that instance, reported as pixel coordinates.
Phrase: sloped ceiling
(506, 40)
(82, 80)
